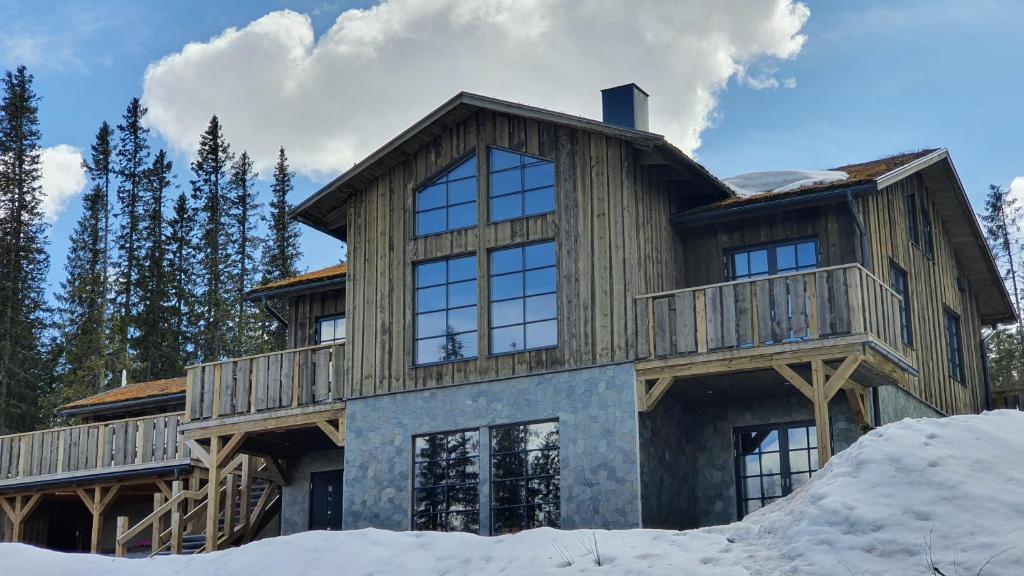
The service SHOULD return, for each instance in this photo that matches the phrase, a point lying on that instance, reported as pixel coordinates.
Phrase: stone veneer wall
(596, 410)
(295, 496)
(895, 403)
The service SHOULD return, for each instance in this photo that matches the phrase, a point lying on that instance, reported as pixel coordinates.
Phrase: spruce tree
(244, 213)
(154, 341)
(132, 165)
(210, 188)
(281, 251)
(181, 261)
(1002, 221)
(23, 258)
(83, 297)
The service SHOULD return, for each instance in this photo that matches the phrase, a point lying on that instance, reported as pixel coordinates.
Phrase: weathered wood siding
(303, 310)
(933, 287)
(705, 247)
(611, 226)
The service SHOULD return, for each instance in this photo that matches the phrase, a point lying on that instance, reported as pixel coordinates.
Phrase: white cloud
(1017, 190)
(375, 71)
(63, 178)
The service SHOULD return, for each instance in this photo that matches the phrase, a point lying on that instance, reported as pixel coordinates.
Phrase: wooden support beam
(158, 527)
(121, 548)
(213, 495)
(231, 447)
(658, 391)
(18, 508)
(796, 380)
(273, 470)
(334, 429)
(97, 503)
(839, 377)
(198, 452)
(821, 416)
(164, 488)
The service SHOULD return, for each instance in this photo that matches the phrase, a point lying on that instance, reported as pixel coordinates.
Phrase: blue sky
(871, 78)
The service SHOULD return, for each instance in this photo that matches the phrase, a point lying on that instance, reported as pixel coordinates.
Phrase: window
(330, 329)
(954, 346)
(929, 240)
(446, 482)
(773, 461)
(774, 259)
(900, 285)
(445, 310)
(525, 470)
(911, 200)
(524, 300)
(520, 185)
(449, 202)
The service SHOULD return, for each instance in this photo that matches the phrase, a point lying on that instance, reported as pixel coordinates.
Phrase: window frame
(785, 473)
(415, 313)
(446, 459)
(432, 180)
(491, 453)
(913, 220)
(325, 317)
(906, 321)
(770, 248)
(927, 234)
(953, 327)
(491, 301)
(523, 190)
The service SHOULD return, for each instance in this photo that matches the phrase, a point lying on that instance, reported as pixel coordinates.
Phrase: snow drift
(950, 485)
(777, 181)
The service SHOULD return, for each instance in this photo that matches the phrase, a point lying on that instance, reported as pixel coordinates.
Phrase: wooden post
(213, 495)
(121, 548)
(176, 487)
(245, 492)
(158, 501)
(229, 505)
(821, 417)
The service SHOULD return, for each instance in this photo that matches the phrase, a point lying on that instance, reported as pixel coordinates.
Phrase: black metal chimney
(625, 106)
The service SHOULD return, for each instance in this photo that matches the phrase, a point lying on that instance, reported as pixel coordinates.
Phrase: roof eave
(293, 290)
(119, 405)
(696, 218)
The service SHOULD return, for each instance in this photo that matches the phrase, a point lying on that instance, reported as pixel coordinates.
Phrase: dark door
(325, 500)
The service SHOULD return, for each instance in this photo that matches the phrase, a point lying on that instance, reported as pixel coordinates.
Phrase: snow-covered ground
(957, 483)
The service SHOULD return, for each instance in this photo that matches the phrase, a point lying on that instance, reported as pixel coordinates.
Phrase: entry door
(772, 461)
(325, 490)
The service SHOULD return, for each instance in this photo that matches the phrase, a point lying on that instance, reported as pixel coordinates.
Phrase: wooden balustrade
(792, 307)
(99, 446)
(286, 379)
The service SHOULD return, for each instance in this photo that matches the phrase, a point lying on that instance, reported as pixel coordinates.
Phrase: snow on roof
(951, 484)
(775, 181)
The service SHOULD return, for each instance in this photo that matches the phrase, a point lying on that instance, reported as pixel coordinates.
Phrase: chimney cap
(633, 84)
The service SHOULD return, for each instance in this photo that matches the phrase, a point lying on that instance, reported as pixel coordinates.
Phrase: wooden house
(548, 320)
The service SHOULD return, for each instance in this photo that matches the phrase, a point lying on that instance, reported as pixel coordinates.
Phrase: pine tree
(1002, 220)
(181, 260)
(154, 340)
(83, 297)
(281, 252)
(210, 193)
(133, 162)
(23, 258)
(244, 211)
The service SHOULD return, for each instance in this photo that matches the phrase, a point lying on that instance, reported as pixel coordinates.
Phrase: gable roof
(153, 389)
(322, 278)
(316, 211)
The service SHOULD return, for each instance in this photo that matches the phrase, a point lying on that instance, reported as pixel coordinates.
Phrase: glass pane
(464, 471)
(506, 183)
(507, 312)
(510, 260)
(542, 435)
(462, 216)
(543, 462)
(543, 490)
(430, 324)
(468, 521)
(461, 268)
(430, 274)
(430, 197)
(429, 350)
(541, 307)
(539, 176)
(462, 319)
(462, 191)
(814, 460)
(798, 461)
(463, 170)
(461, 444)
(460, 346)
(759, 262)
(428, 299)
(508, 438)
(326, 331)
(507, 286)
(807, 254)
(751, 506)
(770, 463)
(785, 257)
(501, 159)
(429, 473)
(812, 436)
(771, 486)
(739, 264)
(507, 520)
(752, 487)
(540, 281)
(430, 222)
(430, 447)
(429, 499)
(542, 334)
(339, 328)
(462, 293)
(425, 521)
(770, 442)
(538, 255)
(540, 201)
(797, 438)
(507, 339)
(751, 465)
(798, 480)
(506, 207)
(508, 466)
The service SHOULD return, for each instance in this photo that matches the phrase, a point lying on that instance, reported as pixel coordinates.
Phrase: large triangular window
(520, 185)
(449, 201)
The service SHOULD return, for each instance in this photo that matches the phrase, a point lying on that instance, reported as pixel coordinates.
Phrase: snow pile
(955, 482)
(781, 180)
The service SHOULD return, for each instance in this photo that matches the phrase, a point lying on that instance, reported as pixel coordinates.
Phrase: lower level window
(525, 477)
(446, 491)
(772, 461)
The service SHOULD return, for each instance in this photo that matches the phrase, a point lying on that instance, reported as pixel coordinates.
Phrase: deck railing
(274, 381)
(100, 446)
(793, 307)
